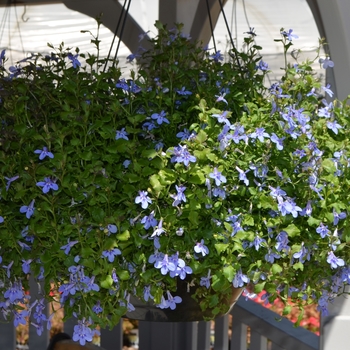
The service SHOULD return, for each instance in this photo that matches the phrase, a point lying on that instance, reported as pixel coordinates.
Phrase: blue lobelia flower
(200, 248)
(29, 210)
(327, 90)
(43, 153)
(334, 126)
(334, 261)
(74, 59)
(121, 134)
(263, 66)
(260, 134)
(143, 199)
(216, 57)
(289, 35)
(303, 254)
(205, 281)
(183, 91)
(10, 180)
(271, 256)
(172, 301)
(165, 265)
(149, 221)
(181, 155)
(82, 333)
(179, 196)
(218, 177)
(257, 243)
(147, 293)
(68, 246)
(111, 254)
(240, 279)
(160, 118)
(47, 185)
(243, 176)
(337, 217)
(326, 62)
(278, 141)
(159, 229)
(26, 265)
(20, 317)
(282, 242)
(322, 230)
(97, 308)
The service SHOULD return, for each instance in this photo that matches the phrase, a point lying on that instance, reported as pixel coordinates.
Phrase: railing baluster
(35, 341)
(257, 341)
(221, 333)
(203, 335)
(112, 339)
(239, 335)
(68, 326)
(7, 335)
(172, 336)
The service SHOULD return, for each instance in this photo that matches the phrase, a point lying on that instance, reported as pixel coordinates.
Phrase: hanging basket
(188, 310)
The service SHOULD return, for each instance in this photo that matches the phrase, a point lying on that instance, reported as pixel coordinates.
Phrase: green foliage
(253, 203)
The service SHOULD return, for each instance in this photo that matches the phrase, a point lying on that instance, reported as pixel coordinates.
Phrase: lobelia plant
(190, 170)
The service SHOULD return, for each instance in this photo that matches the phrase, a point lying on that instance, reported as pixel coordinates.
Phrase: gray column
(335, 327)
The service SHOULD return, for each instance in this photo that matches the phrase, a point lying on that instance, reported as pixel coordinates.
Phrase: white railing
(253, 327)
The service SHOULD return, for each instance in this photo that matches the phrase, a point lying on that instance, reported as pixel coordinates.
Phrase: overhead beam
(111, 11)
(333, 24)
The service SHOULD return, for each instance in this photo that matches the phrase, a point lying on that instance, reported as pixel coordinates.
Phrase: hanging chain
(211, 25)
(116, 32)
(230, 35)
(121, 32)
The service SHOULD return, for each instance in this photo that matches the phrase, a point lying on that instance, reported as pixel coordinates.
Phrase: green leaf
(193, 217)
(218, 283)
(221, 247)
(292, 230)
(229, 272)
(98, 214)
(276, 269)
(149, 153)
(123, 236)
(75, 142)
(156, 185)
(214, 300)
(197, 178)
(313, 222)
(201, 136)
(211, 156)
(86, 155)
(298, 266)
(287, 310)
(329, 166)
(167, 176)
(107, 282)
(86, 252)
(259, 287)
(124, 275)
(248, 220)
(201, 155)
